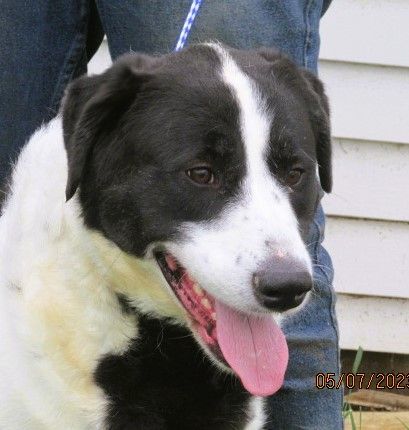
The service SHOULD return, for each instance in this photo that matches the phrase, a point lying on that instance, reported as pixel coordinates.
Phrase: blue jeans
(46, 44)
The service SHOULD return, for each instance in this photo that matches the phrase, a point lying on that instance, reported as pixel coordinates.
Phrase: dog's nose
(282, 284)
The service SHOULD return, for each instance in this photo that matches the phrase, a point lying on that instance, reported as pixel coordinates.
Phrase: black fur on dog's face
(132, 133)
(212, 155)
(147, 121)
(208, 164)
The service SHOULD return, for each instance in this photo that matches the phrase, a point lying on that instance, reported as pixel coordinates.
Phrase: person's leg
(313, 343)
(42, 47)
(153, 26)
(292, 26)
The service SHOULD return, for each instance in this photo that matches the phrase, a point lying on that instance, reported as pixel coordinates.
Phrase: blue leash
(194, 9)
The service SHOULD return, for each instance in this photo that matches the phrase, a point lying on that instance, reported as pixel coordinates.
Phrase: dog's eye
(293, 177)
(201, 175)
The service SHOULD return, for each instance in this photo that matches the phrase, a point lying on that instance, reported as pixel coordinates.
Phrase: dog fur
(91, 336)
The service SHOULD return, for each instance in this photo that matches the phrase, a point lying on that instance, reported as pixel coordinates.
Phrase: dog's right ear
(320, 118)
(312, 90)
(93, 105)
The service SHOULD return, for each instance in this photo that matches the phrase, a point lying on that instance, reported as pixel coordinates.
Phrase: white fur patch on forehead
(255, 122)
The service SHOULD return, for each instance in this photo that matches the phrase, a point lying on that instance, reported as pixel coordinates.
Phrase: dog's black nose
(282, 284)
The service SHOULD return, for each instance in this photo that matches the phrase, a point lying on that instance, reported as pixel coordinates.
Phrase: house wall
(365, 66)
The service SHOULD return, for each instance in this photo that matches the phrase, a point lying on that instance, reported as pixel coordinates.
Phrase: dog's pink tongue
(254, 347)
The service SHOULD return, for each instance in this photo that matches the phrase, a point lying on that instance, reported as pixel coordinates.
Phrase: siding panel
(368, 102)
(367, 31)
(371, 180)
(375, 324)
(370, 257)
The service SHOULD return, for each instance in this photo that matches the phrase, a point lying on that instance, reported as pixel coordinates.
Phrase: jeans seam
(328, 282)
(335, 325)
(105, 25)
(317, 245)
(72, 58)
(307, 42)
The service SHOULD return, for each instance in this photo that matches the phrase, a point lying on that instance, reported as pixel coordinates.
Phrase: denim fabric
(40, 48)
(312, 336)
(291, 25)
(46, 43)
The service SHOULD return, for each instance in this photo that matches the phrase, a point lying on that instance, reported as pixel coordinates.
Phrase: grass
(405, 426)
(347, 411)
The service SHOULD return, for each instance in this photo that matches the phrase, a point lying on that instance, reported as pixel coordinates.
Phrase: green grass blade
(349, 414)
(347, 411)
(405, 426)
(353, 421)
(360, 418)
(358, 360)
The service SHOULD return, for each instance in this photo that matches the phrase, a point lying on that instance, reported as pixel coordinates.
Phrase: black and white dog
(154, 233)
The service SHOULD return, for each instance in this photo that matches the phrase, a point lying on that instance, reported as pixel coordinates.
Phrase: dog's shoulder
(50, 344)
(32, 213)
(37, 184)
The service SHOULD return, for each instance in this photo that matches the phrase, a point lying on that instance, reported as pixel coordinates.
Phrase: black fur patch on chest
(164, 381)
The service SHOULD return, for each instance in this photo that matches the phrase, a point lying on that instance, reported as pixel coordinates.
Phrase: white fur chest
(58, 315)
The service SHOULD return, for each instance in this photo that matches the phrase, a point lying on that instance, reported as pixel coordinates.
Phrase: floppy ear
(312, 91)
(93, 105)
(319, 114)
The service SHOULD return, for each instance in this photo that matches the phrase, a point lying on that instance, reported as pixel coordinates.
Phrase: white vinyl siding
(365, 67)
(368, 102)
(374, 323)
(370, 180)
(367, 31)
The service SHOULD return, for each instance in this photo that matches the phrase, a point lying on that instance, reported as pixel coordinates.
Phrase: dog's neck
(139, 280)
(65, 279)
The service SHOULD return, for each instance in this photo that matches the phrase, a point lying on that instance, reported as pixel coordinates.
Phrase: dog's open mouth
(252, 345)
(197, 303)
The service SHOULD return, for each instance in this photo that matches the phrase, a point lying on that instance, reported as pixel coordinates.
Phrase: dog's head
(208, 163)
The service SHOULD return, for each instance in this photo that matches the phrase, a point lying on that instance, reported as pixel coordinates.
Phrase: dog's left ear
(93, 105)
(319, 113)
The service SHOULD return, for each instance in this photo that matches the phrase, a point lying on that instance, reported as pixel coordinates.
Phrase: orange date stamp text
(377, 381)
